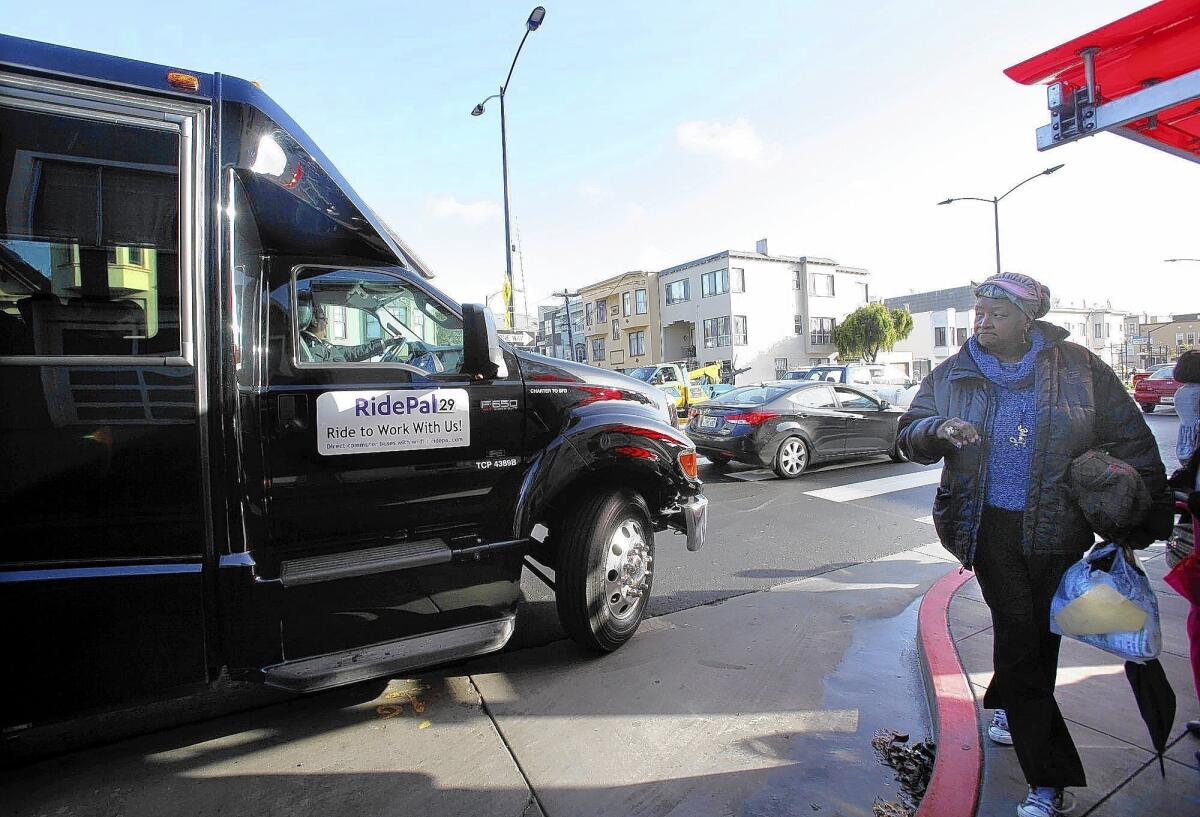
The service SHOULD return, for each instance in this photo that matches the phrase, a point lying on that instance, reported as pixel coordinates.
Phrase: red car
(1138, 377)
(1158, 388)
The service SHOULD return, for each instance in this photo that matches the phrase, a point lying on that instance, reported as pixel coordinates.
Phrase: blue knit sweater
(1014, 423)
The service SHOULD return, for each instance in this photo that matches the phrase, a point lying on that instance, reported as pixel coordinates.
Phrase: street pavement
(766, 533)
(769, 661)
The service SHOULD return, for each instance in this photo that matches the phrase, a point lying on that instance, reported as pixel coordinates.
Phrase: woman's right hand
(958, 432)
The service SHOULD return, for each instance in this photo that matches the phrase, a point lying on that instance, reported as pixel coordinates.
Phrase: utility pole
(567, 295)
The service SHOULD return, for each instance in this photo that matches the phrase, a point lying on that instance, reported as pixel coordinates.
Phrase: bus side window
(89, 236)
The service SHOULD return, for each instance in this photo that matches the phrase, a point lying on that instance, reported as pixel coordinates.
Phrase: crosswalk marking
(760, 474)
(757, 475)
(928, 520)
(875, 487)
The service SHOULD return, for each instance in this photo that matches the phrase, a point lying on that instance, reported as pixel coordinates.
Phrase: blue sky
(643, 135)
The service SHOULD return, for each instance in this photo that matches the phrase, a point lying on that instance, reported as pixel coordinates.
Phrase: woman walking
(1186, 483)
(1008, 413)
(1187, 404)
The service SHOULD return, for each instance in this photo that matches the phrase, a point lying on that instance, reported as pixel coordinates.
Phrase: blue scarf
(1014, 422)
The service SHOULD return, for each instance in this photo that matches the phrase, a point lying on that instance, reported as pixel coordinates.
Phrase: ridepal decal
(366, 422)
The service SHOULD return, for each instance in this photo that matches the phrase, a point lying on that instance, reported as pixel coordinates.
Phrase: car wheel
(897, 453)
(791, 459)
(1149, 407)
(604, 569)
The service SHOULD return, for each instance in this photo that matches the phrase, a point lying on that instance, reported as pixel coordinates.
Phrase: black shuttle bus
(243, 436)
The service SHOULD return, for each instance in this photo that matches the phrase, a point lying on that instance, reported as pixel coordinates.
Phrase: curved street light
(995, 202)
(532, 24)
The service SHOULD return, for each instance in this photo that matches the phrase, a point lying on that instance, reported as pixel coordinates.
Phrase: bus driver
(315, 348)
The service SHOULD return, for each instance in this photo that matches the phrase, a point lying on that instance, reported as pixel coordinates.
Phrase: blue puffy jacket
(1081, 405)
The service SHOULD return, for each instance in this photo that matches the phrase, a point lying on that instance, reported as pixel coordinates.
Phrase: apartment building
(757, 311)
(942, 321)
(621, 321)
(1099, 327)
(1170, 338)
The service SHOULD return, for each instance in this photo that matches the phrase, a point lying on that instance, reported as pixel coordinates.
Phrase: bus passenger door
(102, 504)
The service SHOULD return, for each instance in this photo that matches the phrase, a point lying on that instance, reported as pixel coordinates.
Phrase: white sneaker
(1044, 802)
(998, 731)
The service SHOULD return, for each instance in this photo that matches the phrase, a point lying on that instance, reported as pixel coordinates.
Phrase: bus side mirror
(482, 356)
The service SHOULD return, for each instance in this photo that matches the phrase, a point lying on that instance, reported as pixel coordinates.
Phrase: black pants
(1018, 589)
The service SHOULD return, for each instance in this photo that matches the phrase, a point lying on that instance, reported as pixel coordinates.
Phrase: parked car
(796, 374)
(788, 427)
(1138, 377)
(1157, 389)
(885, 381)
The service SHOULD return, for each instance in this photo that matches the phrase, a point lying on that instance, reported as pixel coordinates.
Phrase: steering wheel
(414, 353)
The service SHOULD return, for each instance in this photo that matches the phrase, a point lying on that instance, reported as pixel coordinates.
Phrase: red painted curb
(957, 772)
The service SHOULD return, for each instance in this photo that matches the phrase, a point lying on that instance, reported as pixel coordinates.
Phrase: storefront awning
(1138, 77)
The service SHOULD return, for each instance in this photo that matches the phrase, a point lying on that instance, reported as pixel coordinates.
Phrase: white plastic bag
(1114, 609)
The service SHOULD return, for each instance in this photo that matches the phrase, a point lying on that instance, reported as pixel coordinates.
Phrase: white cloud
(736, 142)
(472, 212)
(594, 192)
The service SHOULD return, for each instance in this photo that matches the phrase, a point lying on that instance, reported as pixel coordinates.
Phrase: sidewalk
(1100, 710)
(762, 704)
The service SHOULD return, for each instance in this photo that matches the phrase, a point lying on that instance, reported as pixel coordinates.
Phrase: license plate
(1168, 401)
(708, 422)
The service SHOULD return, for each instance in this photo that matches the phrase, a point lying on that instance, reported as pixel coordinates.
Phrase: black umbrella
(1155, 700)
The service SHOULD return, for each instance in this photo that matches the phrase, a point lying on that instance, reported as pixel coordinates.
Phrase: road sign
(517, 337)
(1140, 339)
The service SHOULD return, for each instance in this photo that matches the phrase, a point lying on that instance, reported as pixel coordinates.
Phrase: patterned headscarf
(1027, 294)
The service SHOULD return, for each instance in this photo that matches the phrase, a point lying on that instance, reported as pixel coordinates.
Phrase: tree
(869, 330)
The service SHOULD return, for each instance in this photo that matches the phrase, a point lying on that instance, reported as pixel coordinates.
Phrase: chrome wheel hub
(627, 569)
(792, 457)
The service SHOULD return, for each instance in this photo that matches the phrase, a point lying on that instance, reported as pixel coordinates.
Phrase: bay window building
(752, 310)
(620, 321)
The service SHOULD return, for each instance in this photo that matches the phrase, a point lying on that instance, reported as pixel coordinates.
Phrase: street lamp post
(995, 202)
(567, 295)
(532, 24)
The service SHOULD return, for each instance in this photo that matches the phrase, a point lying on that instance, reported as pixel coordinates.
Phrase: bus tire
(605, 568)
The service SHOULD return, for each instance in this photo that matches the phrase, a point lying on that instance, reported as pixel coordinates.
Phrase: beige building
(1166, 340)
(621, 321)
